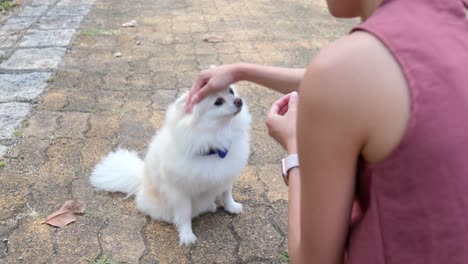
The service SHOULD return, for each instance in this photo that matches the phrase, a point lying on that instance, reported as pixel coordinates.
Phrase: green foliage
(102, 259)
(6, 5)
(284, 257)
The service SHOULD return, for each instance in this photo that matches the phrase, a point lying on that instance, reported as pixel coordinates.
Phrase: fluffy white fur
(178, 181)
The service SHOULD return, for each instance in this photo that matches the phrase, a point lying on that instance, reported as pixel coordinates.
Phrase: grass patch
(6, 5)
(284, 257)
(17, 133)
(2, 164)
(50, 79)
(25, 123)
(100, 32)
(102, 259)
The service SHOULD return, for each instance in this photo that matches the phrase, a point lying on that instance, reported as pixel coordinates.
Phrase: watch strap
(291, 161)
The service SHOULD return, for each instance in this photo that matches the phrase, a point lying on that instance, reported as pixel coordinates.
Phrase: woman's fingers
(196, 87)
(280, 107)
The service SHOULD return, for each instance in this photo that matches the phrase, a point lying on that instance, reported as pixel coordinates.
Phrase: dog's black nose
(238, 102)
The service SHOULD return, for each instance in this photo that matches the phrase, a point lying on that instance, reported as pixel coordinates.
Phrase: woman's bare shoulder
(358, 74)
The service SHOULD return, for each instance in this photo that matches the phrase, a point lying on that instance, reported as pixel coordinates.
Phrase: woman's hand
(210, 81)
(281, 122)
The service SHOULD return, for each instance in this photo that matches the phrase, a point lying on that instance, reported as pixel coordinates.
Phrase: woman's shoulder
(358, 74)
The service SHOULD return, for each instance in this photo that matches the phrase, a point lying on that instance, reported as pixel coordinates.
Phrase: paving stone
(104, 124)
(163, 98)
(72, 245)
(226, 48)
(258, 236)
(138, 81)
(16, 24)
(157, 119)
(32, 158)
(248, 188)
(264, 149)
(22, 87)
(3, 150)
(185, 49)
(62, 168)
(205, 48)
(205, 61)
(228, 58)
(270, 175)
(32, 59)
(164, 80)
(135, 130)
(95, 149)
(72, 125)
(280, 218)
(99, 205)
(42, 125)
(215, 241)
(75, 2)
(33, 11)
(121, 238)
(36, 38)
(59, 22)
(43, 2)
(11, 115)
(8, 41)
(31, 242)
(6, 227)
(53, 100)
(13, 192)
(69, 11)
(63, 157)
(83, 101)
(162, 244)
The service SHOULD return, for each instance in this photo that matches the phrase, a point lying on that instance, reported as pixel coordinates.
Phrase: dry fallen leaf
(65, 215)
(212, 39)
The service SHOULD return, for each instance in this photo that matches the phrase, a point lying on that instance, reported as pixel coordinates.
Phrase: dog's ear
(234, 88)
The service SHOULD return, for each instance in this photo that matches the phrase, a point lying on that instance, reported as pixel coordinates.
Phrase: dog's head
(217, 121)
(216, 109)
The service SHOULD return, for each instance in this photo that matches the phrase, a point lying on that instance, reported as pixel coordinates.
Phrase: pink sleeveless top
(415, 203)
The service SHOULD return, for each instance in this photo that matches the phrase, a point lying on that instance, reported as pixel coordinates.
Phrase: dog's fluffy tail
(119, 171)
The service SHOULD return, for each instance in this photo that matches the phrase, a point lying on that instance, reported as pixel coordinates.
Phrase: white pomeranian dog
(191, 164)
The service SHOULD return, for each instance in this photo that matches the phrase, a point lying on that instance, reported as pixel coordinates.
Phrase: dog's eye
(231, 91)
(219, 101)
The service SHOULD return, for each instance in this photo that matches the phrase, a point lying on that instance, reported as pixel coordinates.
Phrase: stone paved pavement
(96, 102)
(32, 44)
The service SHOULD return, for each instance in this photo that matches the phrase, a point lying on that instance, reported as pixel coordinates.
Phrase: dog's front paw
(233, 207)
(187, 239)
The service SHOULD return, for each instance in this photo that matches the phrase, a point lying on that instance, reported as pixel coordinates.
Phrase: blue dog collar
(222, 153)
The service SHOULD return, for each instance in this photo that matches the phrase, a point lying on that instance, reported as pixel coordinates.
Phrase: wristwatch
(291, 161)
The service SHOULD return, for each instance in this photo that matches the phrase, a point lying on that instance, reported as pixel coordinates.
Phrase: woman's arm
(329, 142)
(215, 79)
(294, 223)
(283, 80)
(324, 191)
(281, 123)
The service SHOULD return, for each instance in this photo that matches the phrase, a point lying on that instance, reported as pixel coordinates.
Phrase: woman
(381, 120)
